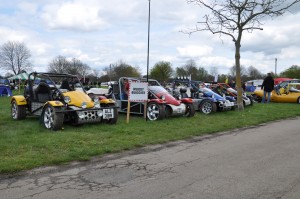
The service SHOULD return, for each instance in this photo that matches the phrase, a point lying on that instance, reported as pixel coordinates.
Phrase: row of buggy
(61, 98)
(208, 97)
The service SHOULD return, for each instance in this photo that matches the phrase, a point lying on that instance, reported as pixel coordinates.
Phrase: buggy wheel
(168, 112)
(256, 98)
(18, 112)
(155, 111)
(251, 101)
(51, 119)
(190, 110)
(207, 107)
(298, 100)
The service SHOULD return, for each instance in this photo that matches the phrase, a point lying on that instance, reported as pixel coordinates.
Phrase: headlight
(163, 97)
(67, 99)
(81, 115)
(96, 103)
(100, 113)
(83, 105)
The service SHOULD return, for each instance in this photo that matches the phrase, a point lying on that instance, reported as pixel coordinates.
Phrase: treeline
(15, 58)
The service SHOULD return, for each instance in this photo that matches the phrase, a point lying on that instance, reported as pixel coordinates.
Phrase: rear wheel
(18, 112)
(207, 107)
(298, 100)
(251, 100)
(155, 111)
(190, 110)
(51, 119)
(168, 112)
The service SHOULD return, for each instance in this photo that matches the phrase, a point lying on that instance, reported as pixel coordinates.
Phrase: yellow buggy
(61, 98)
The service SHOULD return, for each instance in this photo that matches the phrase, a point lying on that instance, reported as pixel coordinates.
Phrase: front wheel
(256, 98)
(207, 107)
(51, 119)
(18, 112)
(155, 111)
(190, 110)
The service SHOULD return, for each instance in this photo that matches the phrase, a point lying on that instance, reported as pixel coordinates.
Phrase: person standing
(267, 86)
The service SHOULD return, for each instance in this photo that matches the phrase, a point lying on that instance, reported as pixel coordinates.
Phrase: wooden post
(145, 110)
(128, 111)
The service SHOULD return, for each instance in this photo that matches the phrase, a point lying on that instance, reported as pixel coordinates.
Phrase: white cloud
(74, 16)
(28, 8)
(194, 51)
(290, 52)
(9, 34)
(101, 32)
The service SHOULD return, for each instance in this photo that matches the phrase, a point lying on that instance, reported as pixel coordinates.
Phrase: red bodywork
(169, 99)
(280, 79)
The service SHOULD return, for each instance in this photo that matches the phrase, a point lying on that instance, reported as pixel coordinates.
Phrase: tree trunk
(238, 76)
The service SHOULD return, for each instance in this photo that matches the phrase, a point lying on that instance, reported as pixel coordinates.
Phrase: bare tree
(233, 17)
(15, 57)
(254, 73)
(61, 64)
(232, 71)
(58, 65)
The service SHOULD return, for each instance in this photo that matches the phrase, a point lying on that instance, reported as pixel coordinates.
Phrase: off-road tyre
(155, 111)
(190, 110)
(18, 112)
(251, 100)
(168, 112)
(51, 119)
(207, 107)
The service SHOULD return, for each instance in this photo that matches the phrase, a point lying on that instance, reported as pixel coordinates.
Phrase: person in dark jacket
(267, 86)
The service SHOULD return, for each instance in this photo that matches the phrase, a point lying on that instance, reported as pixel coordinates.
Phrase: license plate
(179, 110)
(108, 113)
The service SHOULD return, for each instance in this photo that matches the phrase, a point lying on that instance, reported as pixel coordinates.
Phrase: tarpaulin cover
(5, 91)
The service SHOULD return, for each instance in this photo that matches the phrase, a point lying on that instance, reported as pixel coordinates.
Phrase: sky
(104, 32)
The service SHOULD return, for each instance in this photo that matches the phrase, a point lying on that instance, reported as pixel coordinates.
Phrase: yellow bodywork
(55, 103)
(20, 100)
(107, 101)
(288, 97)
(78, 97)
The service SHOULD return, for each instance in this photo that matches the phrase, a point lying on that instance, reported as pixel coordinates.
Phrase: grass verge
(26, 144)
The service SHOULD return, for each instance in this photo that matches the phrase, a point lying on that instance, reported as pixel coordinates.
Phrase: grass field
(27, 144)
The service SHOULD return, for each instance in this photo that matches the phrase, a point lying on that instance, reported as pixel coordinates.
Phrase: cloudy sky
(102, 32)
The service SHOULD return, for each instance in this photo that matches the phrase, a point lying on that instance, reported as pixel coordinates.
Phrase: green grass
(27, 144)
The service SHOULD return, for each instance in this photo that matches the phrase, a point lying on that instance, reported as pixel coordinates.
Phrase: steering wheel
(56, 95)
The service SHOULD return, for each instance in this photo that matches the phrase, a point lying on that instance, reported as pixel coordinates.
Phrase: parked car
(225, 89)
(58, 103)
(283, 92)
(222, 103)
(160, 104)
(182, 88)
